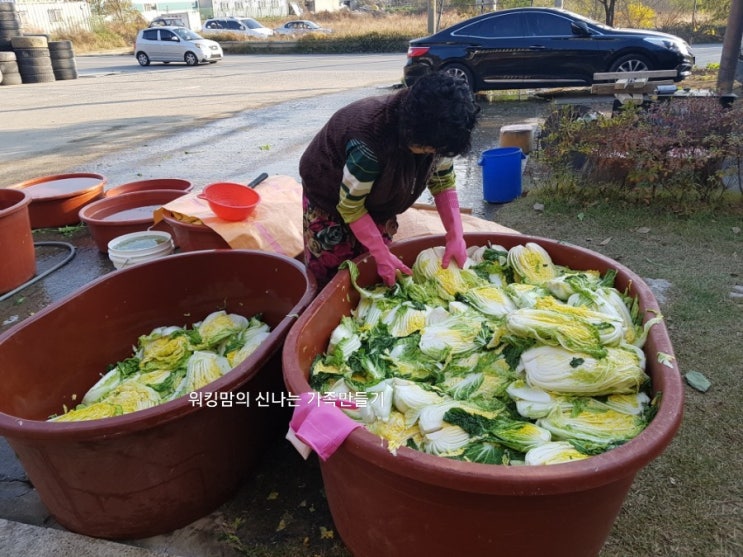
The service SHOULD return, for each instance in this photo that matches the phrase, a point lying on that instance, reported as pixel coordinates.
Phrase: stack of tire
(31, 58)
(9, 74)
(63, 60)
(34, 60)
(10, 25)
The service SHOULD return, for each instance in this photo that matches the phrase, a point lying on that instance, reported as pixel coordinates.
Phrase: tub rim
(95, 188)
(94, 214)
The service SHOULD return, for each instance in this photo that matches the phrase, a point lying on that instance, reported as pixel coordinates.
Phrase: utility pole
(730, 49)
(432, 20)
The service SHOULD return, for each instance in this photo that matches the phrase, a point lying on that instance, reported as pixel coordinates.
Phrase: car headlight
(676, 46)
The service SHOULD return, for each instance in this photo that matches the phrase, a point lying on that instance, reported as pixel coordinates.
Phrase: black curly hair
(439, 111)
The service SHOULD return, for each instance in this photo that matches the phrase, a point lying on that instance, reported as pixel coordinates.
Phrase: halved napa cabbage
(531, 263)
(170, 362)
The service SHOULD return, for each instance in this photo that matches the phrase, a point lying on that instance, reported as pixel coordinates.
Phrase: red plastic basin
(233, 202)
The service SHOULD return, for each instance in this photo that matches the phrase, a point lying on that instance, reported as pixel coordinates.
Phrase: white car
(175, 44)
(241, 25)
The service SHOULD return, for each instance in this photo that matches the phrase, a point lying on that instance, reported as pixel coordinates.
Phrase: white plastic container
(138, 247)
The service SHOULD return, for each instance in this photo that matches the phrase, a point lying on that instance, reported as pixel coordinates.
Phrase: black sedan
(542, 47)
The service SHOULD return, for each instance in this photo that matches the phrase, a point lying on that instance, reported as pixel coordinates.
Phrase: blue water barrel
(501, 174)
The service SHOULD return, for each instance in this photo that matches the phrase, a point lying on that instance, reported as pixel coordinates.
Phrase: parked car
(542, 47)
(243, 25)
(301, 27)
(165, 21)
(175, 44)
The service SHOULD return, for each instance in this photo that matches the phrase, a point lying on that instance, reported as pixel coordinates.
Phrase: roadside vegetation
(683, 156)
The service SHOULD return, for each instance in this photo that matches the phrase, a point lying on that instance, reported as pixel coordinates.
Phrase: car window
(149, 34)
(548, 25)
(213, 25)
(497, 27)
(186, 34)
(251, 23)
(167, 35)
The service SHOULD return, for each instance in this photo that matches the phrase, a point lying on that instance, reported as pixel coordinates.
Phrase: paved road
(707, 54)
(117, 106)
(129, 122)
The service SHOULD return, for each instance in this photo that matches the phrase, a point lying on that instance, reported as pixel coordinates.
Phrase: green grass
(689, 502)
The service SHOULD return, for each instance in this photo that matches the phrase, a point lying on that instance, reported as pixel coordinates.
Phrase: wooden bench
(631, 85)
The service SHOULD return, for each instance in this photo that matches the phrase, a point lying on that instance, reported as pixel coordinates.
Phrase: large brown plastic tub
(56, 200)
(420, 504)
(16, 242)
(155, 470)
(194, 237)
(111, 217)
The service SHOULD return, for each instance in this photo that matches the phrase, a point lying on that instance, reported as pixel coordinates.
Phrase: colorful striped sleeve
(359, 173)
(443, 177)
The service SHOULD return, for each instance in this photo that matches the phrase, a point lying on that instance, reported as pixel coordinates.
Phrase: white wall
(250, 8)
(327, 5)
(47, 17)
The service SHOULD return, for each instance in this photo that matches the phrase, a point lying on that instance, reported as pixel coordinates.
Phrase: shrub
(684, 149)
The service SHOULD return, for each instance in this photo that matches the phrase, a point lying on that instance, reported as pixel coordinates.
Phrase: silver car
(175, 44)
(301, 27)
(240, 25)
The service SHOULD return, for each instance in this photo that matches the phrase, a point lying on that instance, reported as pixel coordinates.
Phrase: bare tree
(120, 11)
(97, 7)
(609, 8)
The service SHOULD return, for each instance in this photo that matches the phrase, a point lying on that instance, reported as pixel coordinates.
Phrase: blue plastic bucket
(501, 174)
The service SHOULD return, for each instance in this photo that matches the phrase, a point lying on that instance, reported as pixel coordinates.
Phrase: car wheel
(143, 59)
(631, 63)
(461, 72)
(191, 59)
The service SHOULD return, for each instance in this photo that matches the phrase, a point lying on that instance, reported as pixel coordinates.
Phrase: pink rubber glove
(447, 204)
(320, 424)
(366, 231)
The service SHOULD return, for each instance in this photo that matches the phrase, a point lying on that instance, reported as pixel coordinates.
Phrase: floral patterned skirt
(328, 241)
